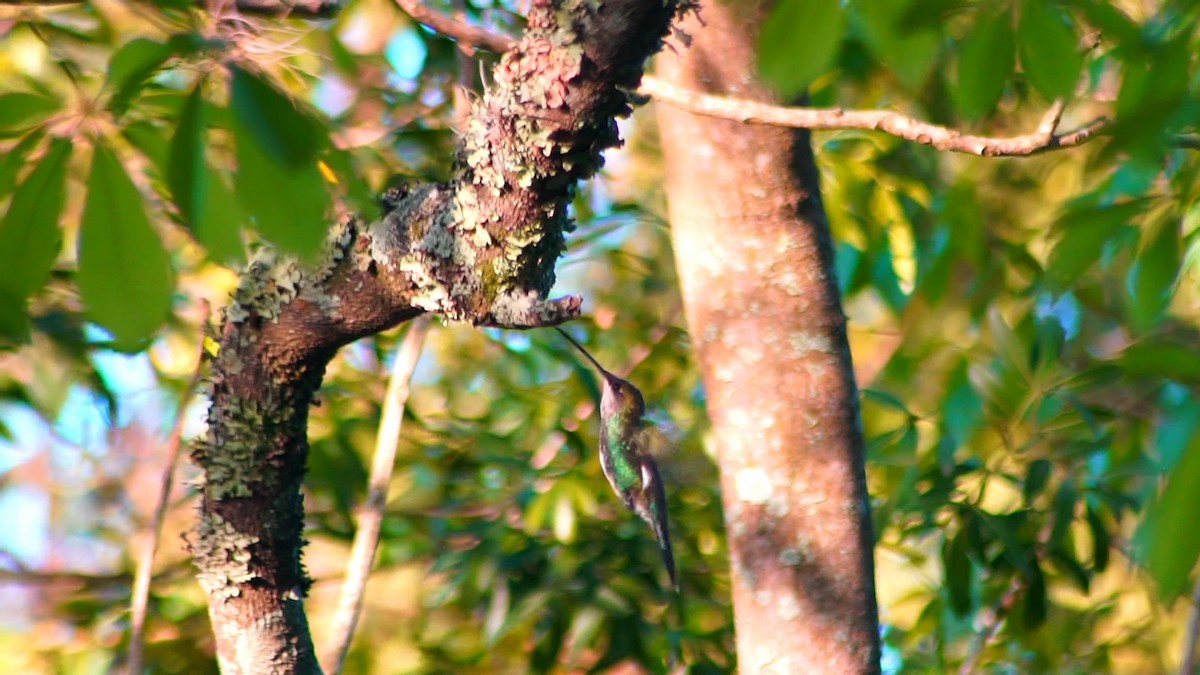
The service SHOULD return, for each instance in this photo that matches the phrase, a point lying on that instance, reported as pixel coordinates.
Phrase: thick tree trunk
(756, 266)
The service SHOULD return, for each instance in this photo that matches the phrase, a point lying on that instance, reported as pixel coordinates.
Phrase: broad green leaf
(130, 67)
(1159, 358)
(799, 41)
(186, 174)
(986, 60)
(1101, 539)
(220, 225)
(287, 135)
(1050, 53)
(957, 565)
(15, 159)
(22, 110)
(908, 48)
(29, 234)
(1171, 540)
(1032, 603)
(289, 205)
(1036, 477)
(1085, 231)
(1113, 23)
(1151, 279)
(152, 142)
(124, 272)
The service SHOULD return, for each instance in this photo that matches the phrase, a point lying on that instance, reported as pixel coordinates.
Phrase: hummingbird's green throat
(625, 456)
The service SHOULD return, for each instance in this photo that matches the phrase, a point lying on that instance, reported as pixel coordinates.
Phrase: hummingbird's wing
(653, 510)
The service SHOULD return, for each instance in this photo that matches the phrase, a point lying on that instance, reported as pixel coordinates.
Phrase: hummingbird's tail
(657, 519)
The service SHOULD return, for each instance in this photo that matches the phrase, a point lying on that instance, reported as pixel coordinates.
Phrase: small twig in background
(370, 516)
(140, 598)
(894, 123)
(1188, 665)
(992, 620)
(468, 34)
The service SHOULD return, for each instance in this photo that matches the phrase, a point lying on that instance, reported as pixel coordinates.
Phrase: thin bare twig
(447, 25)
(1188, 667)
(370, 516)
(897, 124)
(297, 9)
(752, 112)
(140, 598)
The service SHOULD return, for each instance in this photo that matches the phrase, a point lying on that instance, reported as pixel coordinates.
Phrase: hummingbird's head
(620, 398)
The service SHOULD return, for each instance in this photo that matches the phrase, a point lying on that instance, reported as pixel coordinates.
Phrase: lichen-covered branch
(479, 249)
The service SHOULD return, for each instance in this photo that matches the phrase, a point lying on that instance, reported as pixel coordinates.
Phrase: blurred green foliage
(1024, 332)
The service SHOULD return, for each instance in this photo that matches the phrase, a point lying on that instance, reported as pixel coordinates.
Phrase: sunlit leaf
(1170, 537)
(986, 60)
(287, 135)
(124, 272)
(1085, 232)
(907, 48)
(29, 234)
(186, 171)
(1050, 55)
(790, 62)
(22, 110)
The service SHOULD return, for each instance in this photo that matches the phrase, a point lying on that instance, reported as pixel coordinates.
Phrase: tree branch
(370, 518)
(463, 32)
(479, 249)
(897, 124)
(296, 9)
(140, 596)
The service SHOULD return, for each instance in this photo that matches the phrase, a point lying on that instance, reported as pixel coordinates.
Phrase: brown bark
(480, 249)
(756, 266)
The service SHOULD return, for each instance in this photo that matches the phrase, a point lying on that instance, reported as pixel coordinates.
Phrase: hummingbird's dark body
(625, 455)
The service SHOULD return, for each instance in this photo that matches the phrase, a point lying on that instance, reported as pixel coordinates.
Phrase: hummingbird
(625, 439)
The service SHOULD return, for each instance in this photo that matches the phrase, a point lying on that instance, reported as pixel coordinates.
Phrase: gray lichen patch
(232, 453)
(223, 556)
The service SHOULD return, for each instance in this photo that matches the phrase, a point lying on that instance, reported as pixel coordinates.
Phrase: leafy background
(1024, 332)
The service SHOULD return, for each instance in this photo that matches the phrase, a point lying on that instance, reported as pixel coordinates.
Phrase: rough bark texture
(756, 266)
(479, 249)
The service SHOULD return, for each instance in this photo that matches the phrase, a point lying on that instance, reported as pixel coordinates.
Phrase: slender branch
(141, 583)
(992, 620)
(897, 124)
(1188, 667)
(453, 28)
(753, 112)
(297, 9)
(370, 518)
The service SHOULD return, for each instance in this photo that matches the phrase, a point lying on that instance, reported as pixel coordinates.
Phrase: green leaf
(908, 50)
(29, 235)
(1050, 53)
(219, 228)
(22, 110)
(799, 42)
(15, 160)
(1085, 231)
(124, 272)
(986, 61)
(289, 205)
(285, 134)
(957, 565)
(1033, 605)
(1101, 540)
(1036, 477)
(1151, 279)
(130, 67)
(186, 175)
(1160, 358)
(1170, 536)
(152, 142)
